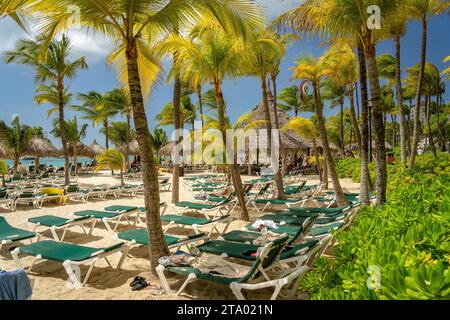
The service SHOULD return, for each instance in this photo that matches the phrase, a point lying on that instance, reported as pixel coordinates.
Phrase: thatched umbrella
(96, 147)
(167, 149)
(40, 147)
(4, 152)
(133, 148)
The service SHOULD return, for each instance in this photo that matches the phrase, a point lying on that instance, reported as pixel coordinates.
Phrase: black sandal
(137, 280)
(139, 285)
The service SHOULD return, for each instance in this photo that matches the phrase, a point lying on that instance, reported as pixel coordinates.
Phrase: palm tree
(4, 169)
(119, 100)
(112, 159)
(16, 138)
(290, 96)
(160, 139)
(51, 73)
(446, 72)
(310, 69)
(186, 111)
(99, 109)
(74, 135)
(211, 56)
(132, 25)
(263, 54)
(12, 9)
(119, 133)
(422, 10)
(305, 128)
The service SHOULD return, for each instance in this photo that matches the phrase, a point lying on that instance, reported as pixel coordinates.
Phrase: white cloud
(9, 34)
(94, 47)
(274, 8)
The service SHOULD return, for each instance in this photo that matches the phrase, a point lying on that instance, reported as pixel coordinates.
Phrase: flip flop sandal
(139, 285)
(136, 280)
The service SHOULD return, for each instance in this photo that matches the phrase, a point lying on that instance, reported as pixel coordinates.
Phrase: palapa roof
(133, 148)
(290, 140)
(4, 152)
(96, 147)
(167, 149)
(41, 147)
(82, 150)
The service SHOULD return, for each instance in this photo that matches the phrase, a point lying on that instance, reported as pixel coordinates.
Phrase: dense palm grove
(212, 41)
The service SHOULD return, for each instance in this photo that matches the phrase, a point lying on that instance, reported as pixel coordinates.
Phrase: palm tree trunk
(75, 158)
(157, 244)
(106, 126)
(340, 198)
(439, 127)
(62, 132)
(278, 178)
(319, 170)
(122, 181)
(430, 133)
(177, 125)
(127, 147)
(401, 113)
(36, 164)
(416, 131)
(354, 120)
(200, 103)
(341, 125)
(364, 150)
(16, 164)
(277, 122)
(380, 148)
(233, 168)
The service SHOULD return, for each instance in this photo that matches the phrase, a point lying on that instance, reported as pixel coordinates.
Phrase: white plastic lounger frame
(99, 194)
(199, 228)
(119, 218)
(71, 267)
(36, 238)
(67, 226)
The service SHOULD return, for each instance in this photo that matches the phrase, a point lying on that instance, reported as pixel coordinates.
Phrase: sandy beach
(105, 282)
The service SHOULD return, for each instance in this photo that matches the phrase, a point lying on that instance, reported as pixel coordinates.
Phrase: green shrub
(407, 240)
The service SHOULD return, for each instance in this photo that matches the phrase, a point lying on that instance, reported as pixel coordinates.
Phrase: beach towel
(14, 285)
(217, 265)
(260, 224)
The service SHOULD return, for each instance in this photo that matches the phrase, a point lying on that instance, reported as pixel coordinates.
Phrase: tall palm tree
(98, 109)
(305, 128)
(210, 55)
(310, 69)
(13, 9)
(74, 135)
(119, 133)
(132, 24)
(111, 159)
(187, 114)
(422, 10)
(16, 138)
(446, 72)
(160, 139)
(290, 98)
(52, 72)
(263, 54)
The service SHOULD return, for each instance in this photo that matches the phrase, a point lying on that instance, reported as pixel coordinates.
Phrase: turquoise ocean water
(56, 162)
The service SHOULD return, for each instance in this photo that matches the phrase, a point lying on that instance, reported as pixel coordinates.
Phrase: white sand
(105, 282)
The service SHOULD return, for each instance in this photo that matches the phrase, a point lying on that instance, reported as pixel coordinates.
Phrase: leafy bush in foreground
(406, 242)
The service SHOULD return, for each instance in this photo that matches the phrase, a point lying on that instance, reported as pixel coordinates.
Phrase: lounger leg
(191, 277)
(162, 278)
(15, 255)
(122, 257)
(94, 221)
(237, 290)
(55, 235)
(108, 227)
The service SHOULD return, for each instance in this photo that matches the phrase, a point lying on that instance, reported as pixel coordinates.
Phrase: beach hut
(40, 147)
(96, 148)
(133, 148)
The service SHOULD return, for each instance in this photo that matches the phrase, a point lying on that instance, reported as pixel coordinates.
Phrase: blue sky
(17, 86)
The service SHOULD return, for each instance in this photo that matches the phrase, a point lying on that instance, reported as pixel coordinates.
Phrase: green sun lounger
(270, 202)
(139, 236)
(70, 255)
(106, 217)
(9, 234)
(268, 255)
(292, 220)
(294, 232)
(196, 223)
(55, 223)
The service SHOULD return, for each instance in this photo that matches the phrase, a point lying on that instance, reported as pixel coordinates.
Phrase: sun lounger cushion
(193, 205)
(50, 221)
(96, 214)
(61, 251)
(121, 208)
(286, 219)
(327, 211)
(140, 236)
(290, 252)
(277, 201)
(317, 231)
(9, 233)
(187, 220)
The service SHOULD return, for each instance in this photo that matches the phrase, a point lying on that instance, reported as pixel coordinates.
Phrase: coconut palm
(74, 135)
(446, 72)
(305, 128)
(290, 98)
(119, 133)
(263, 54)
(186, 110)
(210, 55)
(13, 9)
(160, 139)
(98, 109)
(132, 25)
(52, 73)
(422, 10)
(4, 169)
(310, 69)
(111, 159)
(15, 138)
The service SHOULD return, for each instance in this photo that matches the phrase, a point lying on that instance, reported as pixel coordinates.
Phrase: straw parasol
(96, 148)
(133, 148)
(82, 150)
(40, 147)
(4, 152)
(167, 149)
